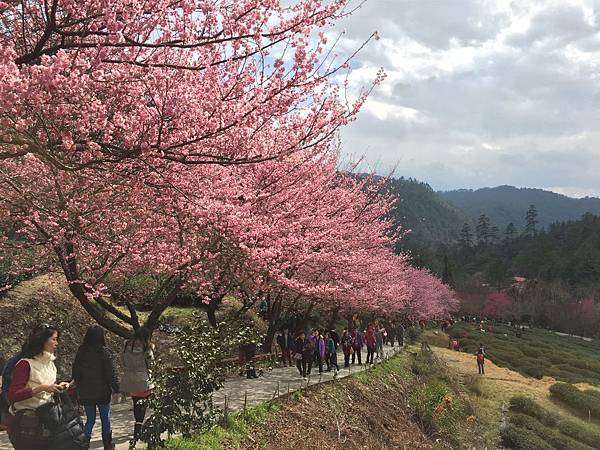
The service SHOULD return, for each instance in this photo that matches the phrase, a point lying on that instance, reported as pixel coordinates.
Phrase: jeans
(480, 367)
(357, 354)
(370, 353)
(90, 413)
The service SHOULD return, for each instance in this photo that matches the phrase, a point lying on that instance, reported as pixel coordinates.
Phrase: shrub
(528, 406)
(531, 352)
(182, 399)
(532, 370)
(551, 436)
(474, 384)
(579, 400)
(423, 402)
(578, 432)
(522, 439)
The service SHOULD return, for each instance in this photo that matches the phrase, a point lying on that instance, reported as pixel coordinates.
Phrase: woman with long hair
(137, 381)
(33, 384)
(96, 379)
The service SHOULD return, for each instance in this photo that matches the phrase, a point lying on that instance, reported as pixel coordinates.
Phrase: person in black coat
(96, 380)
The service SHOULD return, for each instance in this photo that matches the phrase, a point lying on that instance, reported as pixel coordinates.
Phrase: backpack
(480, 357)
(7, 375)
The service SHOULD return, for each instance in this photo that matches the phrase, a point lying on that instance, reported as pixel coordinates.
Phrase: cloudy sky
(480, 92)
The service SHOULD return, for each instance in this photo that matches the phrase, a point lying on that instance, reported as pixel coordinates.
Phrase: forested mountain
(506, 204)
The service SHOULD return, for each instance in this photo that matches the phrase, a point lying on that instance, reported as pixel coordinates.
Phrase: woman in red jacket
(370, 341)
(33, 384)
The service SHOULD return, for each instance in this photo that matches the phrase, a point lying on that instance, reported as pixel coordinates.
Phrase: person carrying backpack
(31, 394)
(96, 380)
(481, 359)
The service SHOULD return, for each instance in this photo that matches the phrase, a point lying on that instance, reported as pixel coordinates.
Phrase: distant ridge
(506, 204)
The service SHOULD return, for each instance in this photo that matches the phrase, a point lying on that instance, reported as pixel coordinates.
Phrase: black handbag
(62, 419)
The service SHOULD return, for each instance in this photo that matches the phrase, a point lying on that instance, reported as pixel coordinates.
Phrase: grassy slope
(406, 402)
(536, 353)
(491, 394)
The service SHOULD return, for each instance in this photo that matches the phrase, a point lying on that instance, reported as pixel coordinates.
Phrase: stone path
(236, 390)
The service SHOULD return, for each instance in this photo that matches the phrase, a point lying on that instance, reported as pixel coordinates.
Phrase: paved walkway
(236, 391)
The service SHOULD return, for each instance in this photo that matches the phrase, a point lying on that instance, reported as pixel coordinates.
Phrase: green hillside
(433, 223)
(506, 204)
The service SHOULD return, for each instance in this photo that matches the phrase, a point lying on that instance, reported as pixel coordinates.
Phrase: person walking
(137, 357)
(285, 345)
(248, 351)
(299, 356)
(347, 347)
(310, 351)
(320, 350)
(96, 380)
(370, 341)
(400, 334)
(481, 359)
(357, 345)
(33, 384)
(379, 341)
(391, 334)
(331, 353)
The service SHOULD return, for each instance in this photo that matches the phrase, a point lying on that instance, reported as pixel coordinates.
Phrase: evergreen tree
(510, 232)
(447, 275)
(493, 234)
(531, 221)
(483, 229)
(466, 238)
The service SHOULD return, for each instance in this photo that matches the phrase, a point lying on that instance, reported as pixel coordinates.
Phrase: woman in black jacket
(96, 379)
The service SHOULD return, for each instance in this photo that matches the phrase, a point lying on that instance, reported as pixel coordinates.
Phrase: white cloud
(481, 92)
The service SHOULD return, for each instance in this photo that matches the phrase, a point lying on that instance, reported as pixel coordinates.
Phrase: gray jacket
(137, 376)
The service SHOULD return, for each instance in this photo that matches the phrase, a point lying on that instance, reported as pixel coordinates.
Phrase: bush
(182, 399)
(474, 384)
(517, 438)
(531, 352)
(533, 371)
(578, 432)
(424, 400)
(551, 436)
(578, 400)
(528, 406)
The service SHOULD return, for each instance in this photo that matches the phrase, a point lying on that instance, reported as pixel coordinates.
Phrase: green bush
(551, 436)
(580, 433)
(182, 398)
(528, 406)
(576, 399)
(424, 400)
(517, 438)
(533, 371)
(531, 352)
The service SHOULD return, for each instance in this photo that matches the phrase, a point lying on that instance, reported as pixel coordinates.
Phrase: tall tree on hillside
(483, 229)
(447, 277)
(494, 234)
(531, 221)
(466, 237)
(510, 232)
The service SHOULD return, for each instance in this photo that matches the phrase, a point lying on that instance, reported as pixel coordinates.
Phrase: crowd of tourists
(319, 348)
(41, 412)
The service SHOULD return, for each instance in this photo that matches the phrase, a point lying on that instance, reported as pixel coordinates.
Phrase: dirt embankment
(346, 415)
(46, 299)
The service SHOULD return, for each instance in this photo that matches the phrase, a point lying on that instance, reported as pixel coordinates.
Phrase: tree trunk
(211, 313)
(335, 315)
